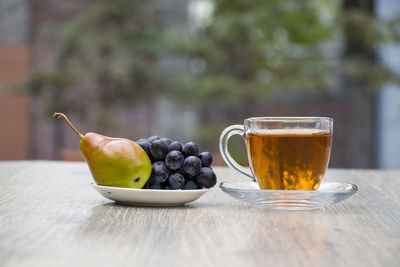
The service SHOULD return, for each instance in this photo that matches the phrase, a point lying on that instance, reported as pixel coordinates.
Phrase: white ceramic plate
(327, 194)
(149, 197)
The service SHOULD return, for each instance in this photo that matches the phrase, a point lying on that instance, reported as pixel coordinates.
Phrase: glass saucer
(327, 193)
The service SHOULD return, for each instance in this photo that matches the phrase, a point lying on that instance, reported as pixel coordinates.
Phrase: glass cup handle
(223, 147)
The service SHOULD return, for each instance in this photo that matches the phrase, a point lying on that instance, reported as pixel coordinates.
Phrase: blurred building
(15, 59)
(388, 114)
(23, 46)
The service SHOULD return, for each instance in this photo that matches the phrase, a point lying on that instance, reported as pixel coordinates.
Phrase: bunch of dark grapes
(176, 165)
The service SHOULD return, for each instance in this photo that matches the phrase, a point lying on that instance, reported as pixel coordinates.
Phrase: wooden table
(50, 216)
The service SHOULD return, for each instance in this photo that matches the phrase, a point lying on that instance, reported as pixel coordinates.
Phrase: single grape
(190, 149)
(206, 178)
(145, 145)
(166, 140)
(174, 160)
(192, 165)
(153, 138)
(176, 181)
(175, 145)
(191, 185)
(159, 149)
(206, 159)
(159, 172)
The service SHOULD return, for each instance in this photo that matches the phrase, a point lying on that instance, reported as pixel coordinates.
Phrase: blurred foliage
(244, 52)
(109, 57)
(253, 48)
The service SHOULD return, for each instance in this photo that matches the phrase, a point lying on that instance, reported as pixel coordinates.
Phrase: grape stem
(62, 115)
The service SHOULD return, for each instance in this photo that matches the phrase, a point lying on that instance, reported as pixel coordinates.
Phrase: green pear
(115, 162)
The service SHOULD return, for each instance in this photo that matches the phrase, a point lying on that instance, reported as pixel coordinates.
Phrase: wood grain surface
(50, 216)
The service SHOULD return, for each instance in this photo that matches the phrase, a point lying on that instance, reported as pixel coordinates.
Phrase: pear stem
(62, 115)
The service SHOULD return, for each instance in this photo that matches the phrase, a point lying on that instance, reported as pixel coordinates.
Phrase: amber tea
(289, 159)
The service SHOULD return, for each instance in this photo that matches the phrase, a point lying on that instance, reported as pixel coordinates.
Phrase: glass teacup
(284, 153)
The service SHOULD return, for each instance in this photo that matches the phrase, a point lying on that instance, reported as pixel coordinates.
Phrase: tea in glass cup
(285, 153)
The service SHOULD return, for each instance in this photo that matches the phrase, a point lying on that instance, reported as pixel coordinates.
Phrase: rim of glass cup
(288, 118)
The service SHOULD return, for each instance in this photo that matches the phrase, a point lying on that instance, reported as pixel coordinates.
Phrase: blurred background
(186, 69)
